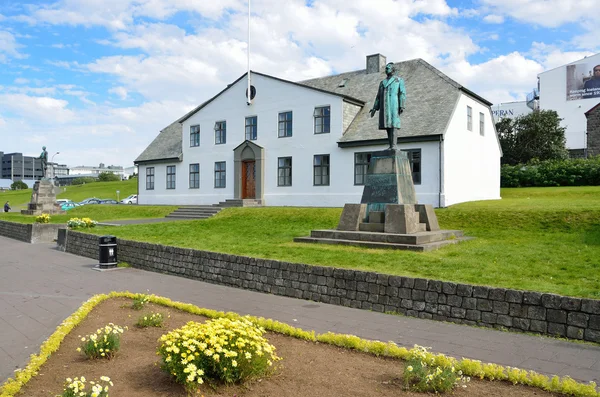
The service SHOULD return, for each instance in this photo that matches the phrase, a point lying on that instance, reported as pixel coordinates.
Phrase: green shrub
(424, 372)
(139, 302)
(83, 180)
(18, 185)
(219, 350)
(44, 218)
(108, 177)
(571, 172)
(150, 320)
(104, 343)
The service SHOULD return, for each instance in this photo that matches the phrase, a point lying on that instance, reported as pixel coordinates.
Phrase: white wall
(510, 110)
(471, 161)
(553, 96)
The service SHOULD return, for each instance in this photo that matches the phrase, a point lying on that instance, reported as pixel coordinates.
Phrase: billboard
(583, 81)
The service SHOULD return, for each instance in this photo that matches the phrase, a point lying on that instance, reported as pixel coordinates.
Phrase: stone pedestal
(43, 199)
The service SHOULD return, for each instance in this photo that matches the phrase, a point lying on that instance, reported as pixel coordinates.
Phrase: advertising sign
(583, 81)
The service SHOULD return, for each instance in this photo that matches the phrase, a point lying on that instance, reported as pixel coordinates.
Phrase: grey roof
(430, 100)
(166, 146)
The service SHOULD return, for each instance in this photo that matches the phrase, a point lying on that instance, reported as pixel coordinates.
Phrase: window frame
(171, 177)
(362, 164)
(149, 178)
(481, 124)
(195, 133)
(283, 168)
(321, 167)
(220, 175)
(469, 118)
(410, 153)
(221, 132)
(194, 183)
(320, 115)
(255, 130)
(285, 123)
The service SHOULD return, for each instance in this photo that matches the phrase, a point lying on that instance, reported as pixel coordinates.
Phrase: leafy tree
(537, 135)
(18, 185)
(83, 180)
(108, 177)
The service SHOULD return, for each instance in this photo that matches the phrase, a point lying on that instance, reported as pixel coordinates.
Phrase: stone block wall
(15, 230)
(593, 132)
(574, 318)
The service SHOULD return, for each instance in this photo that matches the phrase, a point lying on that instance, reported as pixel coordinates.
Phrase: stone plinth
(43, 199)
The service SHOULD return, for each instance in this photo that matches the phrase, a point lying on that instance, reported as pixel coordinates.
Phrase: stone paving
(41, 286)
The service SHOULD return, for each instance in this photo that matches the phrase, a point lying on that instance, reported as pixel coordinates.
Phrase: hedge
(570, 172)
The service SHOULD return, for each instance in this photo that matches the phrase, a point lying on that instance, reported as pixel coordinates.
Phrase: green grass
(542, 239)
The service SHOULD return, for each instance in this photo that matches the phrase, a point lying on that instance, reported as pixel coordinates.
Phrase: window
(220, 174)
(321, 170)
(195, 135)
(194, 176)
(170, 177)
(481, 125)
(469, 118)
(361, 165)
(150, 178)
(285, 124)
(251, 128)
(322, 120)
(220, 132)
(284, 171)
(414, 156)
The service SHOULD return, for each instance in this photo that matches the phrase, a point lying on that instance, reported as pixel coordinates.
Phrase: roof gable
(594, 109)
(166, 146)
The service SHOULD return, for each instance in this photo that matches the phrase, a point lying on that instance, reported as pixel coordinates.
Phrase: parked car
(91, 200)
(108, 201)
(131, 199)
(69, 206)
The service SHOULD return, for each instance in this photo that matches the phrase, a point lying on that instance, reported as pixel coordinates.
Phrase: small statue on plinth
(44, 160)
(390, 101)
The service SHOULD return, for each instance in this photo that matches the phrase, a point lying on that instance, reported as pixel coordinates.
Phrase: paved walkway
(41, 286)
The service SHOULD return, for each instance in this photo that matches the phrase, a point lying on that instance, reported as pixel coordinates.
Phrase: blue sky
(97, 79)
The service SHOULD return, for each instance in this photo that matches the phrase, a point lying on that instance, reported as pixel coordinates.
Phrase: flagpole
(249, 101)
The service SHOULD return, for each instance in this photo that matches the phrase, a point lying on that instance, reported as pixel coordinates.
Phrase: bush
(83, 180)
(44, 218)
(571, 172)
(77, 387)
(424, 373)
(18, 185)
(103, 344)
(218, 350)
(108, 177)
(76, 223)
(150, 320)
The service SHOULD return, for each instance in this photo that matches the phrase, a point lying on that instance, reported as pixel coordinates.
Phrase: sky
(96, 80)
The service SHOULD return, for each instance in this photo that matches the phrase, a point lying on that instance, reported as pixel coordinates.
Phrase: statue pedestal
(43, 199)
(388, 216)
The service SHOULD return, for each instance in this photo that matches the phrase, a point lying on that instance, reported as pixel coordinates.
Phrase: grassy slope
(544, 239)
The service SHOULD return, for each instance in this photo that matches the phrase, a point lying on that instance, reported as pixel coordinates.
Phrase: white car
(131, 199)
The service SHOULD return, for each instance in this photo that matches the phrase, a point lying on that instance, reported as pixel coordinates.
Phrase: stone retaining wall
(18, 231)
(515, 310)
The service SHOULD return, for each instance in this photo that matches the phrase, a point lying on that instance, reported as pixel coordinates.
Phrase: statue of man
(44, 159)
(390, 101)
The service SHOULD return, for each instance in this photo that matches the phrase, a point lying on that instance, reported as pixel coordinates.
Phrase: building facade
(94, 172)
(309, 143)
(510, 110)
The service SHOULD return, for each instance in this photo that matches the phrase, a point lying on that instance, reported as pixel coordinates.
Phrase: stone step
(239, 203)
(411, 239)
(371, 244)
(376, 217)
(198, 210)
(371, 227)
(185, 216)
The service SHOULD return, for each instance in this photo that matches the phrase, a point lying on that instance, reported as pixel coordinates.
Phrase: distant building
(92, 171)
(510, 110)
(16, 167)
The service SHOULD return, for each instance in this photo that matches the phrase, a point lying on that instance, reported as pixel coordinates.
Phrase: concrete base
(43, 199)
(421, 241)
(106, 269)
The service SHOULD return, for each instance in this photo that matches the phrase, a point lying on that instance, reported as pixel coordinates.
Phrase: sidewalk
(41, 286)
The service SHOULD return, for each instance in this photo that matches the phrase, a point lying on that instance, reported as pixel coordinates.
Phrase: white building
(510, 110)
(308, 143)
(92, 171)
(571, 90)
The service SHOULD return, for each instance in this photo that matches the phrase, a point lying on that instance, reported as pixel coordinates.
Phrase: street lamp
(52, 162)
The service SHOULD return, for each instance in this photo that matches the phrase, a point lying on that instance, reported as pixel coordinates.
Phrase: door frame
(249, 151)
(245, 179)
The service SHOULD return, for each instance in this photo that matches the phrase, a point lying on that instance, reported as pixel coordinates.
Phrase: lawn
(542, 239)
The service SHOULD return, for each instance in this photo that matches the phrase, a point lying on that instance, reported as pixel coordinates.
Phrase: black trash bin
(108, 252)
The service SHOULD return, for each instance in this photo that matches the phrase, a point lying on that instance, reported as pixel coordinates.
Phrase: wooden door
(248, 179)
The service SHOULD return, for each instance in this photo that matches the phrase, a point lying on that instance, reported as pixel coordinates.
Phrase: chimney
(375, 63)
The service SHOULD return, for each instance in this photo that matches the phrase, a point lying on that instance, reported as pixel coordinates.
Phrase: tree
(18, 185)
(537, 135)
(108, 177)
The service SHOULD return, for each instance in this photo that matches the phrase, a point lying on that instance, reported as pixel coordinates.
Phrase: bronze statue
(390, 101)
(44, 160)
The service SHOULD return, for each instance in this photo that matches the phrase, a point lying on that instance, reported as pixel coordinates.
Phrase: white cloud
(41, 108)
(20, 80)
(121, 92)
(9, 47)
(493, 18)
(548, 13)
(551, 56)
